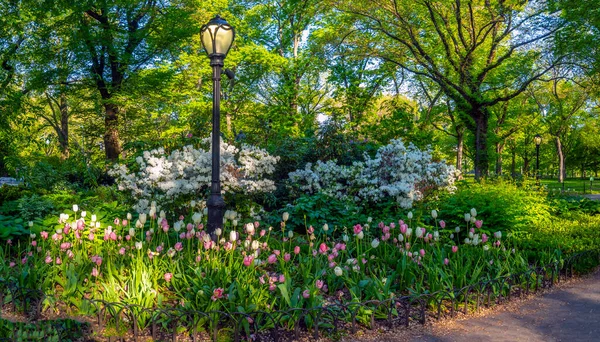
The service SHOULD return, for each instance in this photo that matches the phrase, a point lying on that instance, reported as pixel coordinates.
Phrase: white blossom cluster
(168, 178)
(397, 171)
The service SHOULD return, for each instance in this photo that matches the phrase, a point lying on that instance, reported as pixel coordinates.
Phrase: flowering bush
(186, 172)
(397, 171)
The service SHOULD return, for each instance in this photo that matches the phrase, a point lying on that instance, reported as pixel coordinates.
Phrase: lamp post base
(216, 211)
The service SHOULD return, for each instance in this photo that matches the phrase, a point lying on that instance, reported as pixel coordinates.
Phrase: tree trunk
(526, 165)
(481, 153)
(513, 164)
(561, 160)
(499, 148)
(111, 134)
(460, 136)
(63, 137)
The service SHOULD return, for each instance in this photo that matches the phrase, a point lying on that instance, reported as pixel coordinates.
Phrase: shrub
(185, 174)
(505, 206)
(34, 206)
(403, 173)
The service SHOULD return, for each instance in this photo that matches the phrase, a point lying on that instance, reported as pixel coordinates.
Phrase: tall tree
(480, 53)
(115, 40)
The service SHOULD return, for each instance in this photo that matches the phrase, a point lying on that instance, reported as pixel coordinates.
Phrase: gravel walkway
(568, 313)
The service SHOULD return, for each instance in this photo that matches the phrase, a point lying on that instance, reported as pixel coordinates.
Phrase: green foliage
(34, 206)
(503, 205)
(11, 193)
(55, 330)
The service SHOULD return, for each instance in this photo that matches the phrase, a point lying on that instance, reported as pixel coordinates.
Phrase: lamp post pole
(217, 37)
(215, 203)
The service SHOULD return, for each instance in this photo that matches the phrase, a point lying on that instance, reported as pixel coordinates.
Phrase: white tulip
(345, 238)
(434, 214)
(361, 235)
(138, 245)
(75, 208)
(457, 230)
(218, 232)
(32, 236)
(467, 217)
(232, 236)
(83, 214)
(467, 241)
(325, 227)
(234, 223)
(452, 236)
(97, 224)
(369, 219)
(250, 228)
(138, 224)
(400, 237)
(30, 223)
(177, 226)
(498, 235)
(192, 203)
(375, 243)
(409, 232)
(162, 214)
(471, 235)
(131, 232)
(419, 232)
(473, 212)
(196, 218)
(291, 234)
(473, 219)
(338, 271)
(436, 235)
(410, 215)
(486, 247)
(142, 218)
(128, 216)
(285, 216)
(94, 217)
(255, 245)
(152, 212)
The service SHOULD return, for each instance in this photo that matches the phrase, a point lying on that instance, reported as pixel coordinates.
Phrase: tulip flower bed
(153, 260)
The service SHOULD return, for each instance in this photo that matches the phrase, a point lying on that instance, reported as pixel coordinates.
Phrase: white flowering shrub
(401, 172)
(185, 173)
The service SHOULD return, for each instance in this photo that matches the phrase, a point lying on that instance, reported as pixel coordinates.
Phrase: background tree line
(88, 82)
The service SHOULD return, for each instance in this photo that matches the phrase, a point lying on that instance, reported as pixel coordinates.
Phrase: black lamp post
(217, 37)
(538, 141)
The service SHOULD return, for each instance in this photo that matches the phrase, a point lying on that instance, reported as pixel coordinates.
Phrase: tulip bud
(285, 216)
(467, 217)
(434, 214)
(473, 212)
(410, 215)
(325, 227)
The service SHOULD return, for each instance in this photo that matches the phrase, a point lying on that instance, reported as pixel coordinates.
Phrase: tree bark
(561, 160)
(481, 154)
(63, 137)
(513, 164)
(460, 136)
(111, 135)
(499, 149)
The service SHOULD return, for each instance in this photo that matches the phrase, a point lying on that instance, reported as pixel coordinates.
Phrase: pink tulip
(281, 278)
(198, 258)
(478, 223)
(48, 259)
(357, 229)
(44, 235)
(58, 261)
(95, 272)
(127, 237)
(189, 227)
(323, 248)
(122, 251)
(11, 264)
(116, 221)
(9, 241)
(403, 228)
(446, 261)
(91, 236)
(277, 252)
(310, 230)
(272, 259)
(248, 260)
(422, 252)
(70, 254)
(306, 294)
(168, 277)
(66, 229)
(297, 250)
(287, 257)
(484, 238)
(80, 225)
(319, 284)
(182, 236)
(179, 246)
(442, 224)
(112, 236)
(262, 233)
(34, 243)
(454, 249)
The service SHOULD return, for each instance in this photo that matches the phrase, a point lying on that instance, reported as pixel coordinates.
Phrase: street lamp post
(538, 141)
(217, 37)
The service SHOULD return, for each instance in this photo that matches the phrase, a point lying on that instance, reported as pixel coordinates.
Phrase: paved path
(9, 181)
(570, 313)
(593, 197)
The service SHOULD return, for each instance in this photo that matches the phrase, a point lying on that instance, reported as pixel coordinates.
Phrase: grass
(573, 185)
